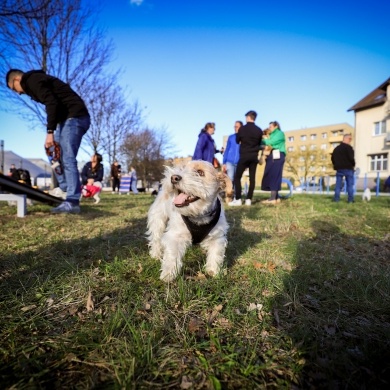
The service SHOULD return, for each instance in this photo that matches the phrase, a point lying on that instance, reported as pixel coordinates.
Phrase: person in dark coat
(67, 122)
(272, 178)
(116, 171)
(205, 147)
(343, 160)
(249, 137)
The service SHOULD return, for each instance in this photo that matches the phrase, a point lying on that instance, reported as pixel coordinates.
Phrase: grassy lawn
(304, 302)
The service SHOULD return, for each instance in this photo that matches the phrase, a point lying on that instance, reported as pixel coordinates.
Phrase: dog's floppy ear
(225, 184)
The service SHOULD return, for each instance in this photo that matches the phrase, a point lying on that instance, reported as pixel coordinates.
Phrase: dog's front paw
(168, 276)
(212, 271)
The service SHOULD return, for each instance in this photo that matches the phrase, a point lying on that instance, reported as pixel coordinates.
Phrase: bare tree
(307, 163)
(60, 37)
(147, 150)
(113, 118)
(20, 8)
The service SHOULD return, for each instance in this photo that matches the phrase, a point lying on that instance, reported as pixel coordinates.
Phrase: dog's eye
(200, 172)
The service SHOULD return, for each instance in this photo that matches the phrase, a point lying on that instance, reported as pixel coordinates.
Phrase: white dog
(188, 210)
(366, 195)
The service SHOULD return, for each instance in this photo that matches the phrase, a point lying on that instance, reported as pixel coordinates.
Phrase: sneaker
(235, 202)
(66, 208)
(58, 193)
(248, 202)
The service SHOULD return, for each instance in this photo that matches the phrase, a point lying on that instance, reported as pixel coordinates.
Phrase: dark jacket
(87, 173)
(116, 171)
(249, 137)
(59, 98)
(343, 157)
(205, 148)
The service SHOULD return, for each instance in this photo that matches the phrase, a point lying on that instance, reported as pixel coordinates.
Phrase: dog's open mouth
(183, 199)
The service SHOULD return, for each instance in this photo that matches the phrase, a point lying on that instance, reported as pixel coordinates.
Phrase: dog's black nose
(175, 179)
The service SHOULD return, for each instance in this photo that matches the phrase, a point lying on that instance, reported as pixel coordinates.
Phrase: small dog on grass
(188, 210)
(366, 195)
(265, 149)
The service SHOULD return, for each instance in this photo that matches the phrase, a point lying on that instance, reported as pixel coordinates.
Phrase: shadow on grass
(19, 272)
(336, 307)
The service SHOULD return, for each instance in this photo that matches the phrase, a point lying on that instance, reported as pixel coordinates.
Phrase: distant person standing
(12, 170)
(272, 178)
(231, 154)
(67, 122)
(343, 160)
(249, 137)
(205, 147)
(134, 179)
(116, 171)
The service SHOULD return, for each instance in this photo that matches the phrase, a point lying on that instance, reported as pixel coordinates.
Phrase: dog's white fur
(168, 235)
(366, 195)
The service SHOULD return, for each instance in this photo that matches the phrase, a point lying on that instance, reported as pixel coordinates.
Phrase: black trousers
(245, 162)
(116, 182)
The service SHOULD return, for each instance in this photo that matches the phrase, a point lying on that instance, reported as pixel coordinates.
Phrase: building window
(380, 128)
(324, 135)
(334, 144)
(313, 136)
(291, 148)
(303, 137)
(290, 139)
(323, 146)
(378, 162)
(312, 147)
(302, 158)
(303, 147)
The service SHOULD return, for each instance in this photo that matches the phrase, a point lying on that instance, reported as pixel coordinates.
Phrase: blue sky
(189, 62)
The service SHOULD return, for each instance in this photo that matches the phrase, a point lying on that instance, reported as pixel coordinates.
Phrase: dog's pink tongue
(180, 199)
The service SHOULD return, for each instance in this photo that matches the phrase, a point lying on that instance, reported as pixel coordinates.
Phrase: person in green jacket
(272, 179)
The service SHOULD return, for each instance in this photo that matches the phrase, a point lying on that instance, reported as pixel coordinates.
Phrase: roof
(375, 98)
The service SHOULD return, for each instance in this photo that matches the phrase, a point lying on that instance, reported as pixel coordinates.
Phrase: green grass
(304, 301)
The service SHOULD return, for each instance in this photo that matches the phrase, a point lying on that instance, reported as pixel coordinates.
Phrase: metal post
(378, 182)
(2, 156)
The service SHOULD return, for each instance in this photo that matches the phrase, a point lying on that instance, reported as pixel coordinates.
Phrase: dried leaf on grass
(213, 315)
(90, 305)
(186, 382)
(28, 308)
(197, 327)
(268, 266)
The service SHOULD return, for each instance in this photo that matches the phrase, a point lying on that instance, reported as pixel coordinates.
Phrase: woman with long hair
(272, 178)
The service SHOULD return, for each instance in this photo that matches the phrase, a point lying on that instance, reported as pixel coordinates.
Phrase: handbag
(276, 154)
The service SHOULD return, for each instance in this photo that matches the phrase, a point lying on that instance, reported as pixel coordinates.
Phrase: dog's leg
(215, 254)
(174, 245)
(158, 216)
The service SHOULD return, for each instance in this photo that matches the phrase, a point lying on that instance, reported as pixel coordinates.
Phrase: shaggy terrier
(188, 210)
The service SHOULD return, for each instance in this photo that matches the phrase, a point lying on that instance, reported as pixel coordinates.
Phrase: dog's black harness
(200, 232)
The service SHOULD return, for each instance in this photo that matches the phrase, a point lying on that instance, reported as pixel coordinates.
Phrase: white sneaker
(235, 202)
(248, 202)
(58, 193)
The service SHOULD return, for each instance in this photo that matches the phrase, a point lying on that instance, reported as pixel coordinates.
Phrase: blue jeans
(348, 174)
(134, 186)
(69, 135)
(231, 170)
